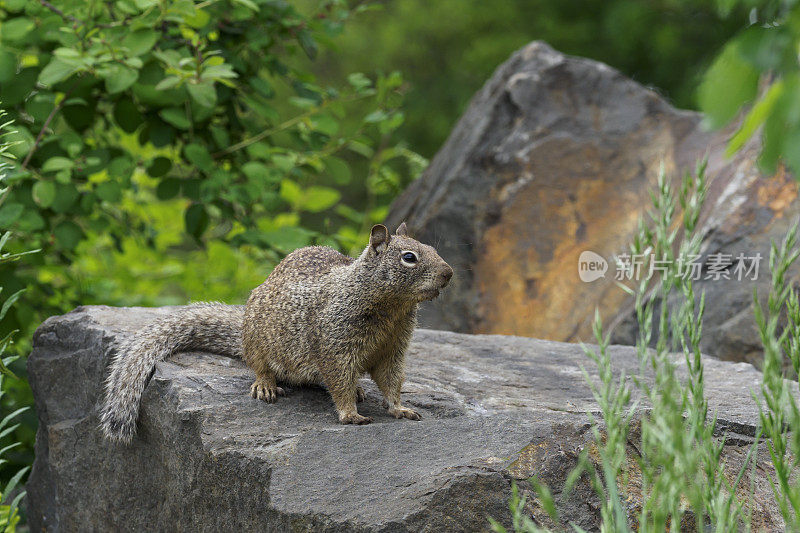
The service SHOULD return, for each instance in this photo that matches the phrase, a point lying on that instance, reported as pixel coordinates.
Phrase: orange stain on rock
(532, 288)
(777, 192)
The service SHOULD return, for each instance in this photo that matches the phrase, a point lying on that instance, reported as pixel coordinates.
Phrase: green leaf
(140, 41)
(16, 29)
(302, 103)
(168, 188)
(109, 191)
(11, 416)
(338, 170)
(14, 481)
(23, 83)
(66, 195)
(191, 188)
(67, 234)
(791, 149)
(359, 80)
(176, 116)
(7, 360)
(40, 106)
(291, 192)
(394, 121)
(361, 149)
(8, 66)
(766, 48)
(318, 199)
(57, 163)
(198, 155)
(13, 507)
(248, 4)
(203, 93)
(198, 19)
(730, 83)
(168, 83)
(773, 138)
(724, 7)
(326, 124)
(121, 168)
(159, 133)
(756, 117)
(44, 192)
(9, 447)
(196, 220)
(67, 53)
(257, 172)
(9, 429)
(30, 221)
(307, 43)
(221, 137)
(6, 306)
(159, 167)
(545, 498)
(262, 87)
(120, 77)
(220, 72)
(55, 71)
(284, 162)
(127, 115)
(9, 213)
(288, 238)
(376, 116)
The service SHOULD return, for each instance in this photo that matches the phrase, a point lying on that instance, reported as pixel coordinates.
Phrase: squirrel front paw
(354, 418)
(404, 412)
(264, 390)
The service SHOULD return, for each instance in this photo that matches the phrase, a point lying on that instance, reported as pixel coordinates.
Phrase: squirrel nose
(447, 274)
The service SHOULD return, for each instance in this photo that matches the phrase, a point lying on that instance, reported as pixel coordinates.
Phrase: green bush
(170, 150)
(9, 499)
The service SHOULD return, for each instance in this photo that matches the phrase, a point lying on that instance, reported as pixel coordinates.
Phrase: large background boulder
(208, 457)
(557, 155)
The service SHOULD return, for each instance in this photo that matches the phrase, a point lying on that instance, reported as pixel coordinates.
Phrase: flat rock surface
(208, 457)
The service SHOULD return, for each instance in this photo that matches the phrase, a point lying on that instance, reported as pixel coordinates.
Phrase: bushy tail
(211, 327)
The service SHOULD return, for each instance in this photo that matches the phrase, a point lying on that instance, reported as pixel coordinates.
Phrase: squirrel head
(404, 268)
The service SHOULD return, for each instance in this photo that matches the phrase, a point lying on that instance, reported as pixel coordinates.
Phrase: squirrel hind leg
(265, 388)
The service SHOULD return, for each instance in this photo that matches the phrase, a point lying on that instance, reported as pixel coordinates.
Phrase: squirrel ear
(402, 230)
(379, 238)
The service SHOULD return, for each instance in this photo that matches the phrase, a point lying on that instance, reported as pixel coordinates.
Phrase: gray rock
(556, 155)
(209, 458)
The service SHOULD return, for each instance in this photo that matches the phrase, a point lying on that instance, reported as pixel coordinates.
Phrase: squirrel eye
(409, 257)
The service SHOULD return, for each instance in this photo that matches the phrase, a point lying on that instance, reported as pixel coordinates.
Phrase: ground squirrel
(320, 317)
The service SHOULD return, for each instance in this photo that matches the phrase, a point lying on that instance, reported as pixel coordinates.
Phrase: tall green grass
(685, 483)
(779, 411)
(10, 498)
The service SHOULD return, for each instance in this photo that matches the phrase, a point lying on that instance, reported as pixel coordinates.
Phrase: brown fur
(320, 318)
